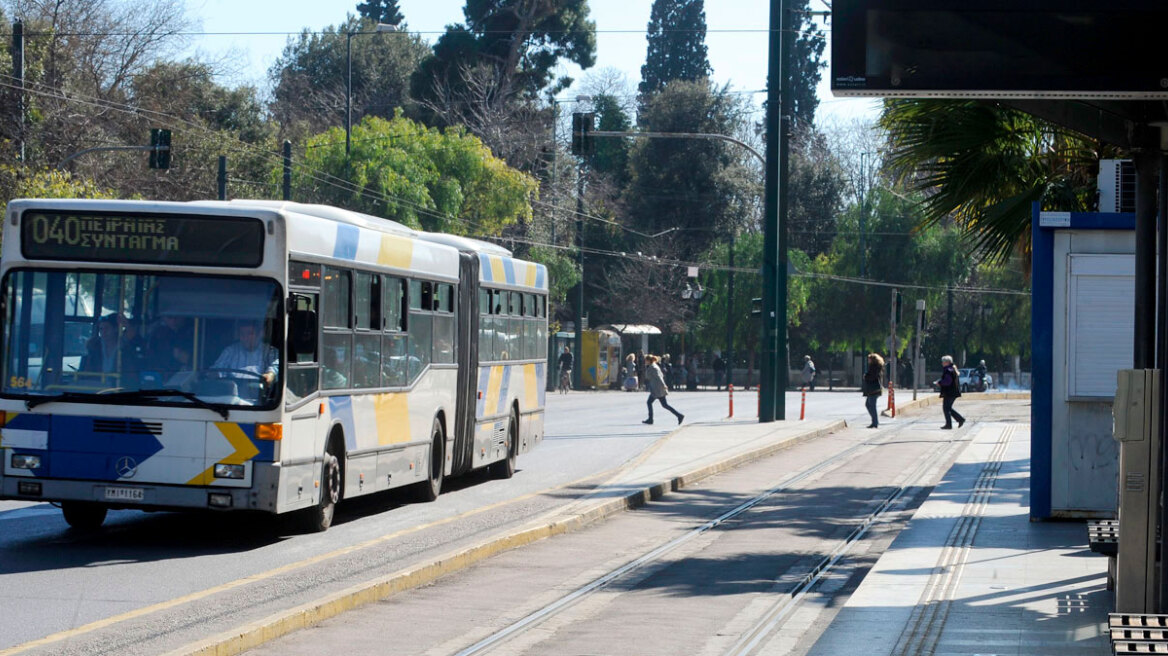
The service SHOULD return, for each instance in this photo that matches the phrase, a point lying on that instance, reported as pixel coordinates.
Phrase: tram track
(773, 616)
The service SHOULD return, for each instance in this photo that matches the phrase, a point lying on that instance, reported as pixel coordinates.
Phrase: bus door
(468, 363)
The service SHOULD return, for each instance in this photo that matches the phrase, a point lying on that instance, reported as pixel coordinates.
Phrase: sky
(736, 38)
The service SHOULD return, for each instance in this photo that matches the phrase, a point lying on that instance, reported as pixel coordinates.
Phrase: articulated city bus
(256, 355)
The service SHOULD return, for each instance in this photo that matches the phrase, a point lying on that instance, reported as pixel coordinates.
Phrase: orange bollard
(891, 401)
(803, 405)
(730, 387)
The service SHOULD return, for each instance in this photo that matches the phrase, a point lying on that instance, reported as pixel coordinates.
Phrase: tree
(844, 312)
(695, 188)
(610, 156)
(381, 11)
(983, 165)
(504, 55)
(807, 72)
(310, 77)
(437, 180)
(23, 182)
(677, 45)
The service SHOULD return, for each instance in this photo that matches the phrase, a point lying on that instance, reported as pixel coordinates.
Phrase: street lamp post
(556, 102)
(380, 29)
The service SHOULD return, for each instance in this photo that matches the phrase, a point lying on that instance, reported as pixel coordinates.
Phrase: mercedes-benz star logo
(127, 467)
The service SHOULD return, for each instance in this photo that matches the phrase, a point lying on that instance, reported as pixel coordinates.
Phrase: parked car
(967, 380)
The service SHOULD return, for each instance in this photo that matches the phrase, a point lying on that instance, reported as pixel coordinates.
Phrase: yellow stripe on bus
(530, 387)
(497, 272)
(395, 251)
(393, 418)
(244, 450)
(530, 275)
(494, 386)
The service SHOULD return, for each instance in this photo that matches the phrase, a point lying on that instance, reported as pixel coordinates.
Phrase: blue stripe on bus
(481, 403)
(28, 421)
(503, 389)
(347, 238)
(341, 408)
(540, 273)
(541, 381)
(509, 270)
(485, 266)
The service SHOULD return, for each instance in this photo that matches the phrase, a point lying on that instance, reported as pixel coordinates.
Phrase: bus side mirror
(302, 332)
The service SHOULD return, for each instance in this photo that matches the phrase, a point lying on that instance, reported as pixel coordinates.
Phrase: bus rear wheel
(429, 489)
(505, 468)
(320, 517)
(84, 516)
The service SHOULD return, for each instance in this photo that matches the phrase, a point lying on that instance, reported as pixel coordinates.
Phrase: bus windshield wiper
(127, 396)
(157, 393)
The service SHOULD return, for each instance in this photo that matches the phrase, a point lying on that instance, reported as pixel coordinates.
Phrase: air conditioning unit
(1117, 185)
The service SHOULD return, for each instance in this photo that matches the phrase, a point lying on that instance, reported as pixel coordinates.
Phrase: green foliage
(381, 11)
(677, 45)
(309, 79)
(610, 156)
(438, 180)
(844, 315)
(807, 57)
(563, 274)
(520, 41)
(984, 164)
(22, 182)
(714, 313)
(691, 186)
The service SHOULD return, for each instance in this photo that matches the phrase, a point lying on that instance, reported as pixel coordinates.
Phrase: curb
(256, 633)
(932, 399)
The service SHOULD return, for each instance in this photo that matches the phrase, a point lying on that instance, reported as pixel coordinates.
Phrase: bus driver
(248, 354)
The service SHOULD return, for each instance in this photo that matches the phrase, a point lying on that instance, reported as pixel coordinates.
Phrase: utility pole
(579, 346)
(916, 354)
(892, 341)
(727, 358)
(287, 170)
(863, 214)
(18, 73)
(222, 177)
(772, 388)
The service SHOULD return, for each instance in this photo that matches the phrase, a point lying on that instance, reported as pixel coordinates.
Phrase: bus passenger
(104, 350)
(248, 354)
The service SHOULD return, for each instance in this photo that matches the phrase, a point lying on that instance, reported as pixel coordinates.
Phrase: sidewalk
(972, 575)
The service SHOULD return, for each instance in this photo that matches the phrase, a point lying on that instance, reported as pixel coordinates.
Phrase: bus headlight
(228, 471)
(23, 461)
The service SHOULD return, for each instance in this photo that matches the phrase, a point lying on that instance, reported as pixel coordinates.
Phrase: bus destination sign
(143, 238)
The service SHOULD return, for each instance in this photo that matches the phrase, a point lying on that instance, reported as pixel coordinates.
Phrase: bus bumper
(149, 496)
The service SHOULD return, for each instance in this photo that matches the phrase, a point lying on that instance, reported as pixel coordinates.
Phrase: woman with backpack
(873, 389)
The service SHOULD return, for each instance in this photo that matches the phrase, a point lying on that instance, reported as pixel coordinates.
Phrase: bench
(1103, 537)
(1138, 633)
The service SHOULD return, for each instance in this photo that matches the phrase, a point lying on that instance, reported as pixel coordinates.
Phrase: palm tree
(982, 165)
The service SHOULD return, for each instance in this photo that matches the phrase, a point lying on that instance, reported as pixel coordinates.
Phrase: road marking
(195, 596)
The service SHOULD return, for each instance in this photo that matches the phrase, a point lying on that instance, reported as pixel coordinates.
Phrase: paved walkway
(972, 575)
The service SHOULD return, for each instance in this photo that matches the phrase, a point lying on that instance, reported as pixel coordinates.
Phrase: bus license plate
(124, 494)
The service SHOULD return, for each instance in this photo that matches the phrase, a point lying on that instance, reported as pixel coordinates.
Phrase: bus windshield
(142, 338)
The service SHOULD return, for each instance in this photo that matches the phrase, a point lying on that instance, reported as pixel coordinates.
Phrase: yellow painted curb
(280, 624)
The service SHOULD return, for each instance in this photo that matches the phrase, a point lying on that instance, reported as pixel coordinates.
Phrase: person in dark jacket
(657, 390)
(873, 389)
(950, 389)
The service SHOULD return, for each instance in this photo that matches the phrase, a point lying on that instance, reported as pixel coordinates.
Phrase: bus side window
(395, 304)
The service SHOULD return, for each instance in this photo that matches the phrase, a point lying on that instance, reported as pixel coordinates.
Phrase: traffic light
(582, 125)
(756, 307)
(159, 149)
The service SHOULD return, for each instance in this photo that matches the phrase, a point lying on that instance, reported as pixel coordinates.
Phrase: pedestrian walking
(950, 389)
(666, 370)
(657, 390)
(873, 388)
(808, 373)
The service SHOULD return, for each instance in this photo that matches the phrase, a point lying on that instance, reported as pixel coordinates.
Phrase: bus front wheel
(320, 517)
(429, 489)
(84, 516)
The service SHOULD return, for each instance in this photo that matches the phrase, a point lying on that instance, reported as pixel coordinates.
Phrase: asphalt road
(53, 579)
